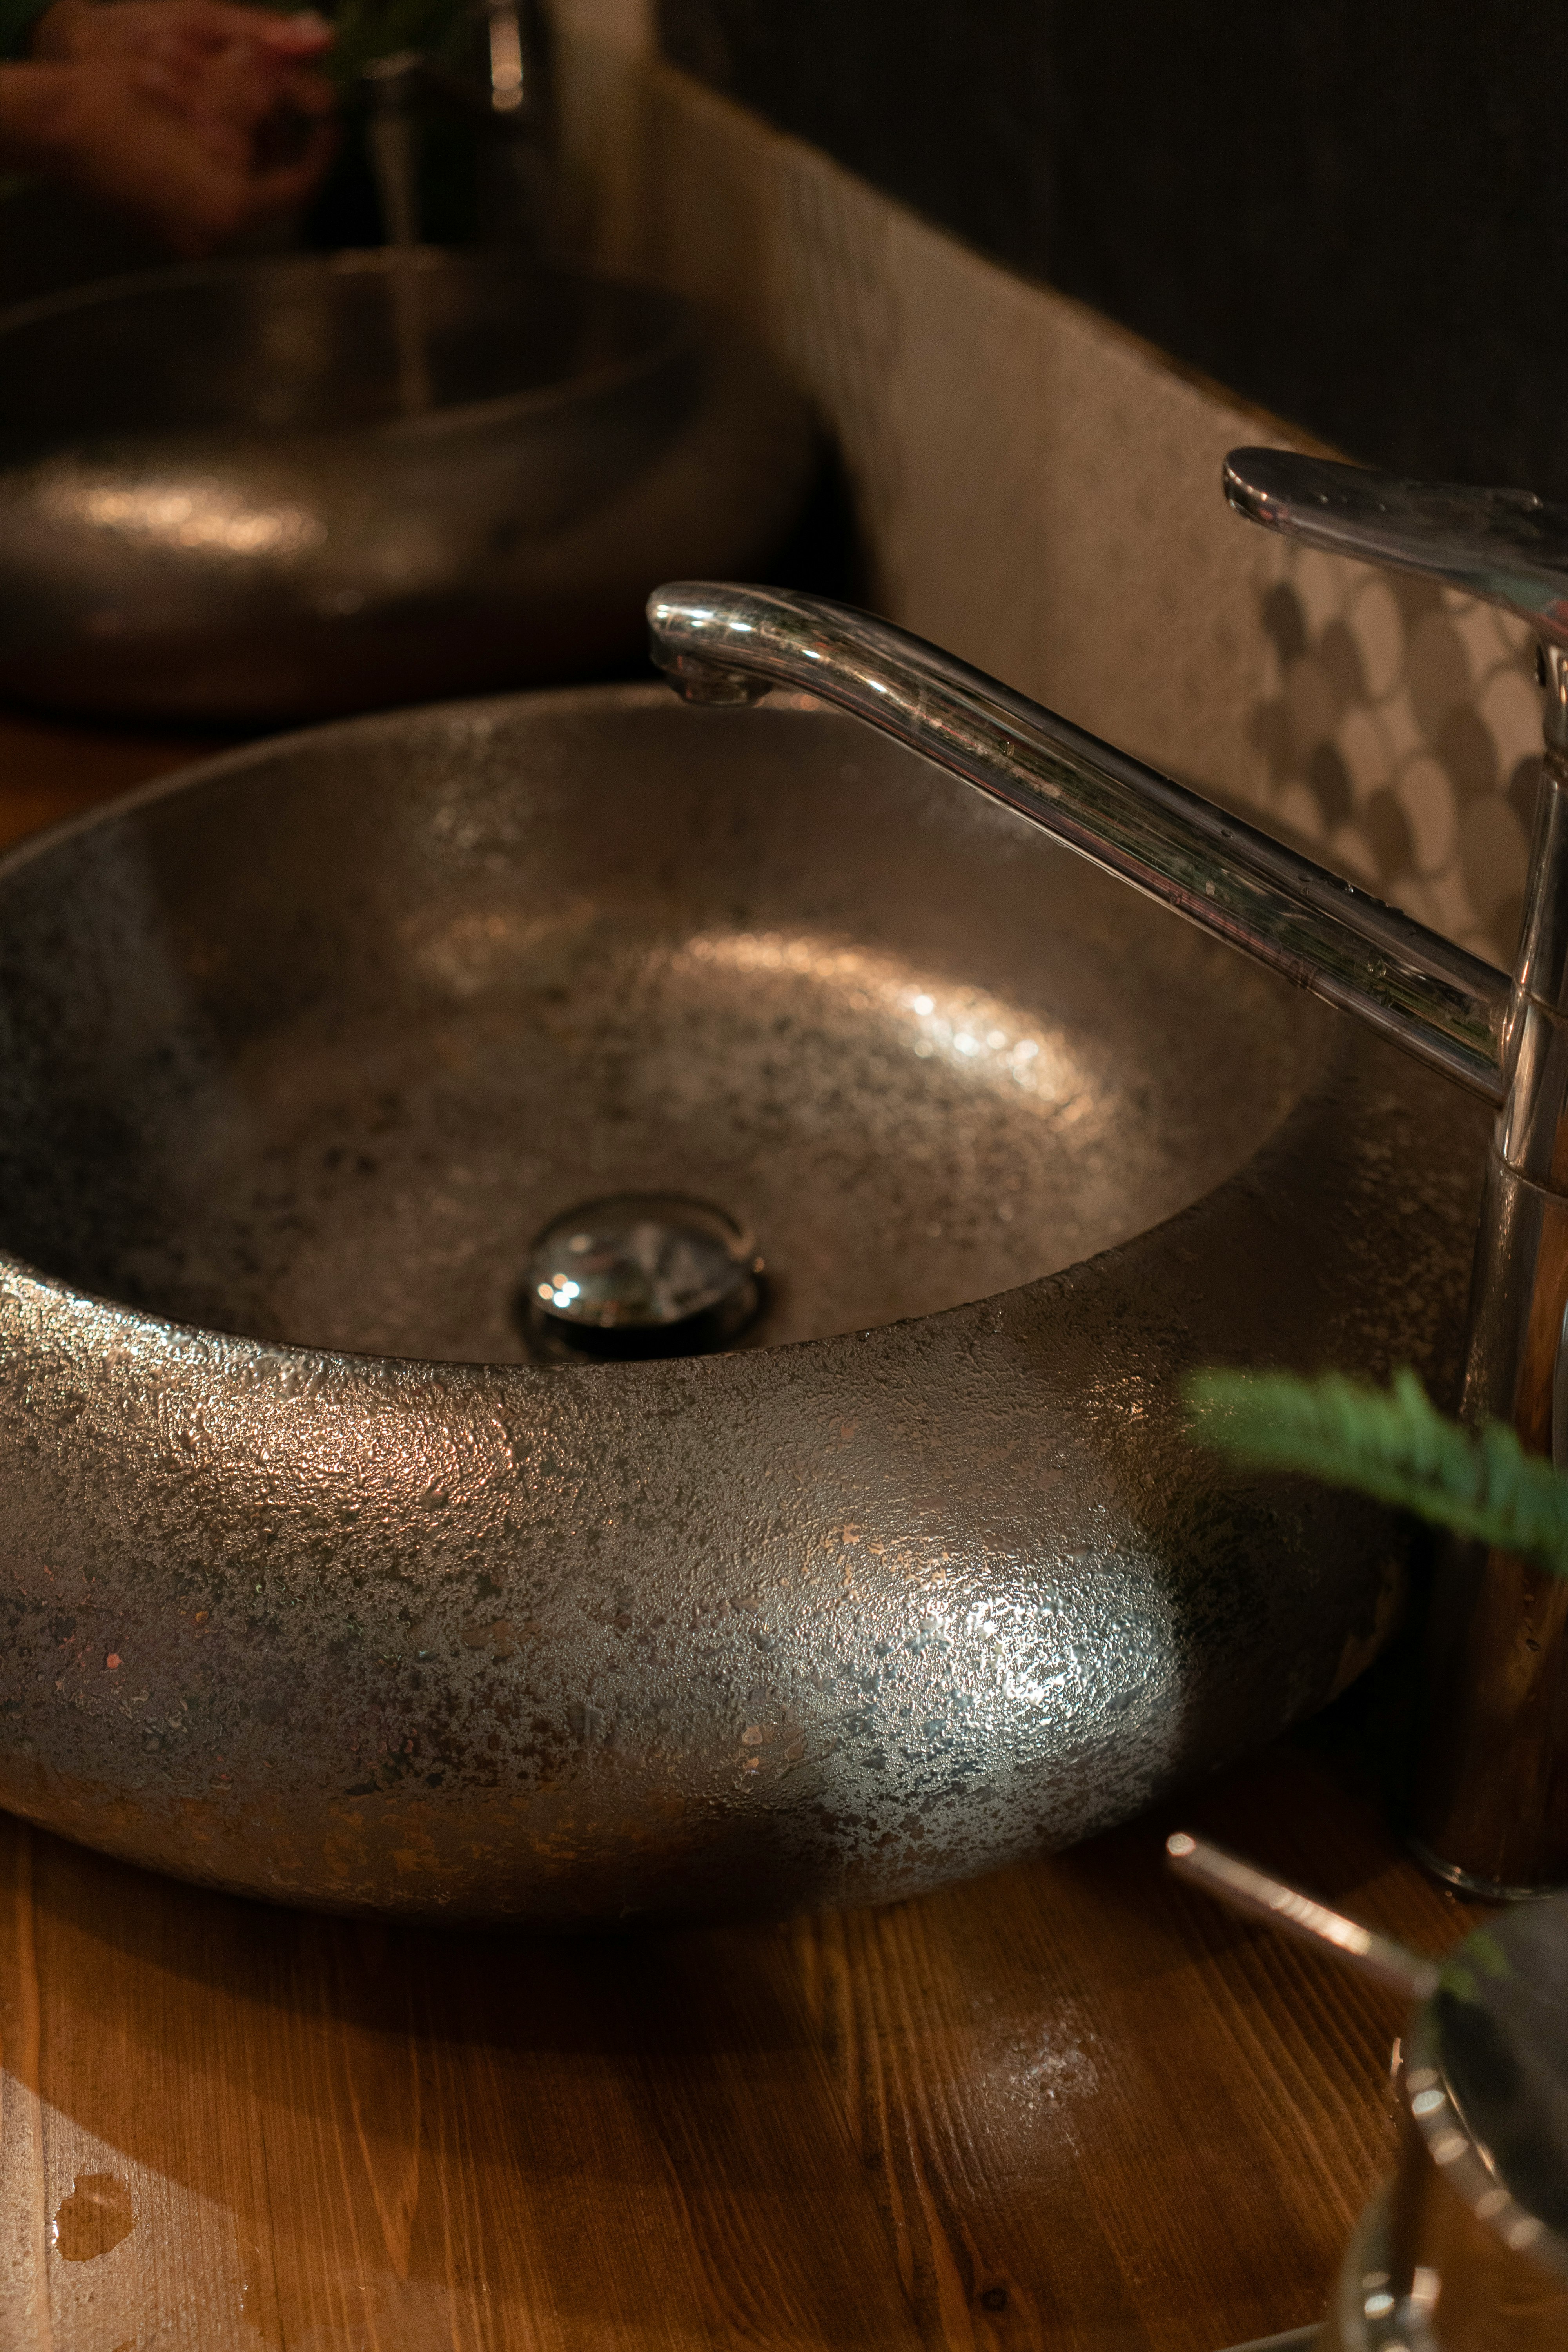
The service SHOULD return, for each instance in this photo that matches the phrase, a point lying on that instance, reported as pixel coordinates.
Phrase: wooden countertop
(49, 770)
(1071, 2105)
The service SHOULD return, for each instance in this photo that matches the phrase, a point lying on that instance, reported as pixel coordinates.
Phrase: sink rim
(631, 697)
(677, 338)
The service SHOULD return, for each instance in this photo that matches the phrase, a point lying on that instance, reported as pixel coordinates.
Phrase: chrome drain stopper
(641, 1273)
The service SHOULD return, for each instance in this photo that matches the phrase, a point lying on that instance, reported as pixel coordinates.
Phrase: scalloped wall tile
(1039, 492)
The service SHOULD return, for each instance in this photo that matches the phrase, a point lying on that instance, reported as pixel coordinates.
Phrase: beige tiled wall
(1040, 492)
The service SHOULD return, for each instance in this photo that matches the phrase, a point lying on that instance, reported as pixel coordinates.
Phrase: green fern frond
(1393, 1444)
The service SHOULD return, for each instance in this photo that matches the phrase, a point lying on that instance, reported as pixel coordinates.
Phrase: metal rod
(1255, 1896)
(1294, 2340)
(729, 644)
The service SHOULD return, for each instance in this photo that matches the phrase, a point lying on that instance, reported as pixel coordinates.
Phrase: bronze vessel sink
(214, 508)
(313, 1584)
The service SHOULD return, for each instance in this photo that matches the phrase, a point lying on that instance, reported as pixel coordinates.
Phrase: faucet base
(1466, 1883)
(1489, 1803)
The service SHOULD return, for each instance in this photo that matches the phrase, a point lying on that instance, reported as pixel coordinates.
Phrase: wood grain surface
(50, 769)
(1072, 2106)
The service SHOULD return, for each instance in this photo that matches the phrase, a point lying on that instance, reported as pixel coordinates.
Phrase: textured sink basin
(213, 509)
(312, 1585)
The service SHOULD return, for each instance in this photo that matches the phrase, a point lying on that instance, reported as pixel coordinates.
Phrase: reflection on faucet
(1491, 1811)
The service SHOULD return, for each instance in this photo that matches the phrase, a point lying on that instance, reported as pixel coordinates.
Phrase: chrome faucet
(1491, 1807)
(513, 106)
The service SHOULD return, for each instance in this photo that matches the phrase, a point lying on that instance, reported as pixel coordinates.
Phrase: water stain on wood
(94, 2218)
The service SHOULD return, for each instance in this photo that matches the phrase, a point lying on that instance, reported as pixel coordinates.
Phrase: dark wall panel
(1352, 211)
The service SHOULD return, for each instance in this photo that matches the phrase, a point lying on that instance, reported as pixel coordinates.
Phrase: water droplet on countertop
(93, 2219)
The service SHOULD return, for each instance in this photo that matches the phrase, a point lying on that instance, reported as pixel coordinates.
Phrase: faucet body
(1490, 1809)
(511, 108)
(1491, 1803)
(724, 645)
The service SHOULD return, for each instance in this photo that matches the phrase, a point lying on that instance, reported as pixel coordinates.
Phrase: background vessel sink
(213, 509)
(311, 1585)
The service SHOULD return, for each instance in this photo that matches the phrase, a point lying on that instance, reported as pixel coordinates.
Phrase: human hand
(94, 125)
(221, 65)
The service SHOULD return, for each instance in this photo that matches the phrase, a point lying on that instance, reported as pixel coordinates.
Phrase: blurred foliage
(1394, 1446)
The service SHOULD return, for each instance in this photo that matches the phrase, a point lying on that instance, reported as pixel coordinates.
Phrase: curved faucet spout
(730, 644)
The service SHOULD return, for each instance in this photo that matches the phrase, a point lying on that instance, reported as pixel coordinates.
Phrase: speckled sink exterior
(839, 1616)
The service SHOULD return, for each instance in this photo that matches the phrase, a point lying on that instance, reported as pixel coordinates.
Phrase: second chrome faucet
(1491, 1802)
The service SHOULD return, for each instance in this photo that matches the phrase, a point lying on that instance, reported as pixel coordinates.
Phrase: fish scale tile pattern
(1400, 730)
(1039, 492)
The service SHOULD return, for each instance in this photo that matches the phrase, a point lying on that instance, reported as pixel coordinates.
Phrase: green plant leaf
(1393, 1444)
